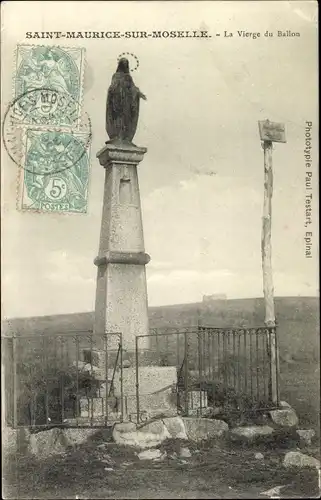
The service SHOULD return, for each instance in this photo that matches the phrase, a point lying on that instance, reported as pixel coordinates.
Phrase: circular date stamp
(41, 131)
(47, 136)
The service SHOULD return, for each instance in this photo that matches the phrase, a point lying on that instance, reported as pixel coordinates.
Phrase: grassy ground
(213, 471)
(300, 387)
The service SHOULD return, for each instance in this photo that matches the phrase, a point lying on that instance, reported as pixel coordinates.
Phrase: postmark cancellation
(45, 130)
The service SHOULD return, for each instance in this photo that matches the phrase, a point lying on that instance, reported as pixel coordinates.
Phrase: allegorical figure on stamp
(56, 170)
(46, 68)
(122, 108)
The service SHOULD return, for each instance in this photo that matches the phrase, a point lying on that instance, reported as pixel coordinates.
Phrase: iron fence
(243, 361)
(72, 379)
(76, 378)
(158, 391)
(234, 369)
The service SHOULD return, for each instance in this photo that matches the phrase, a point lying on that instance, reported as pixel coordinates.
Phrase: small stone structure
(157, 391)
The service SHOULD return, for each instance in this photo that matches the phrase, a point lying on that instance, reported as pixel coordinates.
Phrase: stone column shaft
(121, 293)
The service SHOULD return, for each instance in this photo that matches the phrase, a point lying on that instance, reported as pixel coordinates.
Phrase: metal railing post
(274, 366)
(186, 374)
(45, 364)
(268, 342)
(199, 368)
(91, 399)
(106, 378)
(76, 338)
(245, 360)
(121, 380)
(62, 382)
(14, 356)
(257, 366)
(137, 379)
(251, 361)
(277, 365)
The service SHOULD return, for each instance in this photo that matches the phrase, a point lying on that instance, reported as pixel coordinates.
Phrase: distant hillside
(297, 317)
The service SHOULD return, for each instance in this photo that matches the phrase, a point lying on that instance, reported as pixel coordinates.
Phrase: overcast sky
(201, 180)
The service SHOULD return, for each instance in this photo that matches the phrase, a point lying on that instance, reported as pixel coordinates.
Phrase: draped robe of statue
(122, 108)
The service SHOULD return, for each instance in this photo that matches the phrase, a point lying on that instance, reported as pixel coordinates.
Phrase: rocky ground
(174, 469)
(213, 469)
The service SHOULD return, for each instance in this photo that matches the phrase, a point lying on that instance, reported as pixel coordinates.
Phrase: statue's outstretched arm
(141, 95)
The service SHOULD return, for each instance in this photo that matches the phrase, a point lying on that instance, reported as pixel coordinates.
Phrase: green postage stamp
(42, 68)
(47, 110)
(56, 172)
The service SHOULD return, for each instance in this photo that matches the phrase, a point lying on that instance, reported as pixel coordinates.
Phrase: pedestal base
(151, 379)
(156, 392)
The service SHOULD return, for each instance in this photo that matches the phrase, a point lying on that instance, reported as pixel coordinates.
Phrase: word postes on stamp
(48, 67)
(56, 173)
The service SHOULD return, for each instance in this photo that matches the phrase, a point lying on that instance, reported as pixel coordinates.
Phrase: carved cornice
(120, 153)
(113, 257)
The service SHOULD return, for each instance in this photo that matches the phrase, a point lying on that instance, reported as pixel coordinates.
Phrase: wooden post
(268, 288)
(269, 132)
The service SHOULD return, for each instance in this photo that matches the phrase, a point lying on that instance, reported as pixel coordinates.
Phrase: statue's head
(123, 65)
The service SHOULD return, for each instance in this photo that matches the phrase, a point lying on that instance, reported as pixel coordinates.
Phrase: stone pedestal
(121, 293)
(157, 391)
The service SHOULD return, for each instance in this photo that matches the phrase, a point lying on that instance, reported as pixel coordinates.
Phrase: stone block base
(157, 391)
(151, 380)
(150, 405)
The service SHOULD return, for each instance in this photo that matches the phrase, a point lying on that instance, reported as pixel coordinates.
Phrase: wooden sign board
(272, 131)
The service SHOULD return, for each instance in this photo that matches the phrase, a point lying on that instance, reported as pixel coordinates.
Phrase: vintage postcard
(160, 323)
